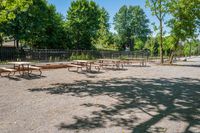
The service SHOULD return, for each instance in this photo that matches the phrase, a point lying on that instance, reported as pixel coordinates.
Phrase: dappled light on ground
(141, 104)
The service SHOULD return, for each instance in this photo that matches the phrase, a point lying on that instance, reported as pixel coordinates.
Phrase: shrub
(82, 56)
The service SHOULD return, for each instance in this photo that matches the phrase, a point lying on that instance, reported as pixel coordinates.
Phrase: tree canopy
(131, 23)
(9, 8)
(37, 23)
(159, 9)
(83, 23)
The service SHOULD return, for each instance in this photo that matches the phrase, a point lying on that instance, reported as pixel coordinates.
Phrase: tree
(168, 46)
(185, 21)
(53, 32)
(26, 22)
(191, 48)
(83, 23)
(131, 23)
(9, 8)
(102, 38)
(152, 45)
(159, 9)
(39, 26)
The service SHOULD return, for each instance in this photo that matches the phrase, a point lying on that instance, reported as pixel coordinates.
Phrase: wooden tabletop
(109, 60)
(20, 63)
(84, 61)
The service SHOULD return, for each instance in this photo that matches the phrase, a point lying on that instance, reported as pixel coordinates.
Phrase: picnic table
(22, 67)
(141, 61)
(113, 62)
(86, 63)
(25, 67)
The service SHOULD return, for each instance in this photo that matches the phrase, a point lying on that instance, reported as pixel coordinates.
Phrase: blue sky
(112, 6)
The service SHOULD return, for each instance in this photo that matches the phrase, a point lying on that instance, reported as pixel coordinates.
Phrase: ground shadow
(175, 98)
(30, 76)
(185, 65)
(11, 78)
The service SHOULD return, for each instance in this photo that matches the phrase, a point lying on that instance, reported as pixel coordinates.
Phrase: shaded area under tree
(178, 96)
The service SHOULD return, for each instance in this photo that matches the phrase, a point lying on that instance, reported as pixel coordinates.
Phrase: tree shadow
(30, 77)
(11, 78)
(175, 98)
(184, 65)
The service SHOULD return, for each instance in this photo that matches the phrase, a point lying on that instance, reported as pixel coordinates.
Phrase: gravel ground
(137, 100)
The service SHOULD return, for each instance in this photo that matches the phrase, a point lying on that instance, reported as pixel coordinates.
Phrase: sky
(112, 6)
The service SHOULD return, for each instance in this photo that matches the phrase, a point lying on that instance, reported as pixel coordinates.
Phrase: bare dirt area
(164, 99)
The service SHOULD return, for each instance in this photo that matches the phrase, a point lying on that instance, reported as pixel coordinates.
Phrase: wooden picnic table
(25, 67)
(141, 61)
(114, 62)
(22, 67)
(86, 63)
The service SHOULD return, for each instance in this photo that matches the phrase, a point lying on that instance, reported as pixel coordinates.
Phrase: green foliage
(131, 23)
(3, 62)
(81, 56)
(139, 44)
(39, 26)
(1, 39)
(83, 23)
(152, 45)
(169, 43)
(103, 36)
(123, 57)
(159, 9)
(184, 22)
(9, 8)
(191, 48)
(185, 19)
(52, 34)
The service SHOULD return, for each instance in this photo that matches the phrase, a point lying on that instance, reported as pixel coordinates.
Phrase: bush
(82, 56)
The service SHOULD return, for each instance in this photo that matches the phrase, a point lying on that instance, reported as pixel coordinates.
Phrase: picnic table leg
(88, 67)
(28, 67)
(19, 68)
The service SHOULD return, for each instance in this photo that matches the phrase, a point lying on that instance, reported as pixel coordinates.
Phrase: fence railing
(48, 55)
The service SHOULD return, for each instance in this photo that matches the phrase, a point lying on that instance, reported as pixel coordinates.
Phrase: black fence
(49, 55)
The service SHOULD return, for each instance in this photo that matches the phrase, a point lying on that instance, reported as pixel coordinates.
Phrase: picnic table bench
(74, 65)
(31, 67)
(9, 70)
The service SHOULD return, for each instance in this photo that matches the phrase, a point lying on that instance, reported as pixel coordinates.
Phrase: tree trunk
(172, 52)
(161, 35)
(171, 57)
(161, 43)
(190, 50)
(131, 44)
(17, 43)
(1, 45)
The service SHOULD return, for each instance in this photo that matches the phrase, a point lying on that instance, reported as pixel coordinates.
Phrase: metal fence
(49, 55)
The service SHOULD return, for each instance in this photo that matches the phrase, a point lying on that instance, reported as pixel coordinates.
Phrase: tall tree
(53, 32)
(159, 9)
(131, 23)
(102, 38)
(83, 23)
(39, 26)
(9, 8)
(185, 21)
